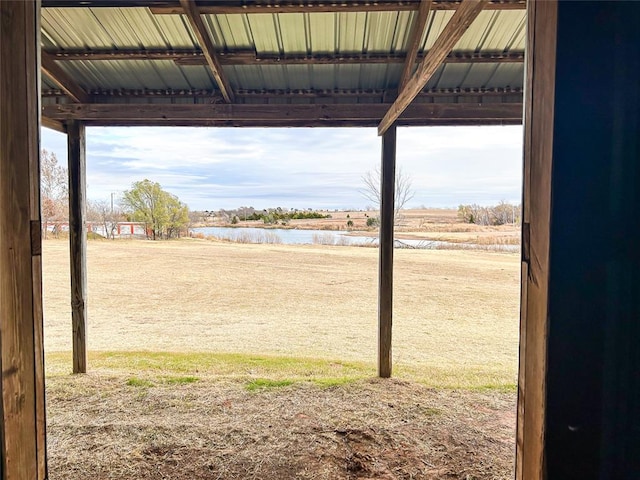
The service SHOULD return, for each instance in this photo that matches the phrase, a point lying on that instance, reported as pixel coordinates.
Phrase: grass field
(212, 360)
(455, 318)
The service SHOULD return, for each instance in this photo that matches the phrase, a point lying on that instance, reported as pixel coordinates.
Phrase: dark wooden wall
(593, 379)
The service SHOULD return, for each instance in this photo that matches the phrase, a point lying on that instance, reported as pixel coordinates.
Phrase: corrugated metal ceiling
(277, 34)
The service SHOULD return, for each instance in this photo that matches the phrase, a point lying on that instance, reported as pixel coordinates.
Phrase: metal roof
(312, 56)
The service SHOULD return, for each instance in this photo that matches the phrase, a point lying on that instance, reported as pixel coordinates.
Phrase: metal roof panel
(507, 75)
(351, 32)
(74, 28)
(491, 31)
(230, 32)
(436, 23)
(320, 77)
(284, 34)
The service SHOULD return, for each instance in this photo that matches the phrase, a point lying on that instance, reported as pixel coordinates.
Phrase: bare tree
(53, 189)
(403, 190)
(103, 212)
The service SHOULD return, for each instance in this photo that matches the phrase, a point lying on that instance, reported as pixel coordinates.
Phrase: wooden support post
(22, 407)
(385, 278)
(538, 147)
(578, 409)
(78, 242)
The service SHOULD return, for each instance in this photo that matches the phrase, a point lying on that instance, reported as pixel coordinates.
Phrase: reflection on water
(283, 235)
(317, 237)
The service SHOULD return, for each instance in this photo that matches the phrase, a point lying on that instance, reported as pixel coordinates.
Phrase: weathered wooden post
(76, 145)
(22, 407)
(578, 409)
(385, 278)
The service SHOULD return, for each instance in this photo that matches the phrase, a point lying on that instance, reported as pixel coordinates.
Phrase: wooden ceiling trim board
(283, 115)
(457, 26)
(243, 57)
(311, 6)
(55, 125)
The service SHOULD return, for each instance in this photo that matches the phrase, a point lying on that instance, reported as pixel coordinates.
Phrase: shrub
(373, 222)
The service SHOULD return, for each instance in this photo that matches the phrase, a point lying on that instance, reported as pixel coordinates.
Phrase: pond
(303, 237)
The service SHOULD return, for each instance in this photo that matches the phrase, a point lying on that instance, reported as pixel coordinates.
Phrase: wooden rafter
(417, 32)
(244, 57)
(459, 23)
(55, 125)
(62, 79)
(284, 115)
(190, 10)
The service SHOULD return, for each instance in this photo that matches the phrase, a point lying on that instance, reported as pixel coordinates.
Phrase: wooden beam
(193, 16)
(76, 143)
(22, 402)
(386, 241)
(538, 154)
(53, 124)
(320, 6)
(168, 7)
(459, 23)
(245, 57)
(448, 96)
(209, 96)
(417, 32)
(301, 123)
(285, 115)
(64, 81)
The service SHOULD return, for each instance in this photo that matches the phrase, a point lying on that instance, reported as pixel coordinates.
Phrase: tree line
(502, 214)
(163, 214)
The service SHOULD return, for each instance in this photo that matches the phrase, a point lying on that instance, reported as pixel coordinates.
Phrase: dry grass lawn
(230, 400)
(456, 312)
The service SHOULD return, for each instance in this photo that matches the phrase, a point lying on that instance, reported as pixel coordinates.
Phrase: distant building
(121, 230)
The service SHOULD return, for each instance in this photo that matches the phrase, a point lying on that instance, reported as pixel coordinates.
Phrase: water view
(303, 237)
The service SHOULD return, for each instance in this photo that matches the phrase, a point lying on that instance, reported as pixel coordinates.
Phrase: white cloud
(212, 168)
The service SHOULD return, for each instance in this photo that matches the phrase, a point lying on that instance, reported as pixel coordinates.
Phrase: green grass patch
(139, 382)
(185, 368)
(180, 380)
(332, 382)
(480, 378)
(181, 368)
(264, 383)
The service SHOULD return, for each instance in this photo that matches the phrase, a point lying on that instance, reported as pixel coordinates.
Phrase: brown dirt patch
(102, 428)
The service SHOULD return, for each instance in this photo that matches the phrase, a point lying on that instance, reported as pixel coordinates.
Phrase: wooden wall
(538, 145)
(22, 428)
(593, 389)
(579, 405)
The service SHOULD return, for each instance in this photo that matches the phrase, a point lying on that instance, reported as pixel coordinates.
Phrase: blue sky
(213, 168)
